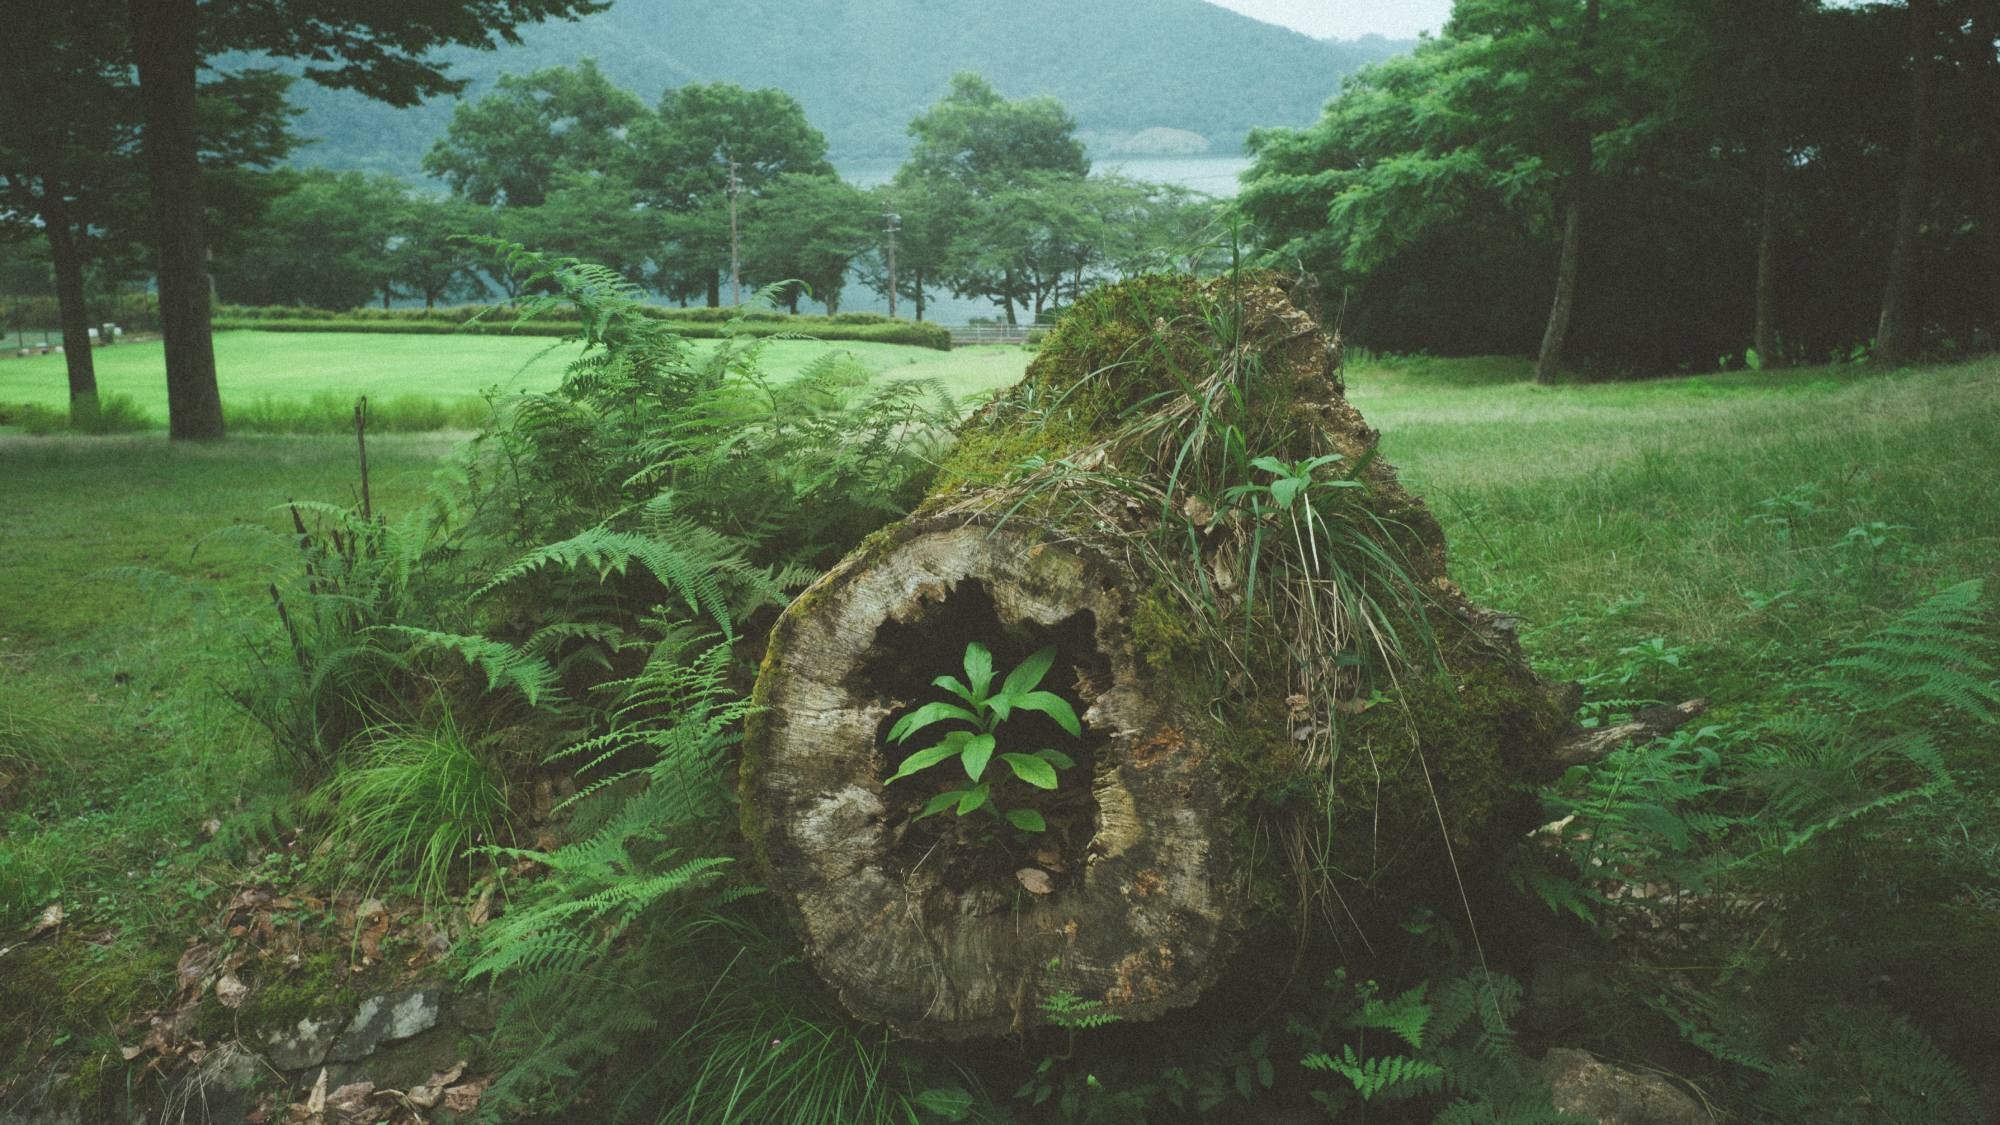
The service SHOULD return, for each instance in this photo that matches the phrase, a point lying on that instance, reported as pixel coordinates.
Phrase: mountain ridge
(1133, 72)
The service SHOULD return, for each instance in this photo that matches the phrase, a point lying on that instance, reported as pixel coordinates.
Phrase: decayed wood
(1143, 907)
(1142, 924)
(1586, 746)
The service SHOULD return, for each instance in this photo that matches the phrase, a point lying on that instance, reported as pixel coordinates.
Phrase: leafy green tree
(70, 173)
(928, 216)
(325, 242)
(984, 142)
(510, 146)
(706, 143)
(430, 255)
(381, 50)
(65, 141)
(593, 216)
(807, 229)
(982, 161)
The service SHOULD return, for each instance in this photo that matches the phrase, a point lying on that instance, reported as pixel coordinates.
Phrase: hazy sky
(1348, 19)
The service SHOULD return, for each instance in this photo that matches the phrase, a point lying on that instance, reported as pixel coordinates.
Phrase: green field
(1749, 524)
(299, 365)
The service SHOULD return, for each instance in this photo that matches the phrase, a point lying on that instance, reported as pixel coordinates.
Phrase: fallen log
(1583, 747)
(1180, 512)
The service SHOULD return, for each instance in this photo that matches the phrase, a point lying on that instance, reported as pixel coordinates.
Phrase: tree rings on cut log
(948, 926)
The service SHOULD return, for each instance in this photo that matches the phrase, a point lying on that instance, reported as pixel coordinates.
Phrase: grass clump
(88, 414)
(416, 801)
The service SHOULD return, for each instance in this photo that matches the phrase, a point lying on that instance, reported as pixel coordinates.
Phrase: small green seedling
(983, 711)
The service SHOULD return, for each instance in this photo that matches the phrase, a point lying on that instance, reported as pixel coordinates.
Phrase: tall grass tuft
(417, 799)
(327, 413)
(88, 414)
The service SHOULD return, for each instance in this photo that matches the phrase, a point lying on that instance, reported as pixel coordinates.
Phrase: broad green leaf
(1029, 673)
(926, 715)
(930, 756)
(978, 668)
(978, 750)
(1000, 705)
(942, 802)
(1056, 758)
(950, 1102)
(975, 798)
(1273, 466)
(954, 686)
(1027, 820)
(1052, 705)
(1286, 489)
(1032, 770)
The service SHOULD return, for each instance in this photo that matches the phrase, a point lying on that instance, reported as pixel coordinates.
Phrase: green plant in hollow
(984, 712)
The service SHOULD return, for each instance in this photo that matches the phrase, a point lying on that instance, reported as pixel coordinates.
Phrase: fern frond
(504, 665)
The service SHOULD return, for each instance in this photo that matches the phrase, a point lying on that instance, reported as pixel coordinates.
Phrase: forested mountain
(864, 68)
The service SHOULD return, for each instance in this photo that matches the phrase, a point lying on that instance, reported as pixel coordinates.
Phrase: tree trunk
(1765, 336)
(1139, 888)
(165, 48)
(715, 291)
(1548, 363)
(920, 298)
(1894, 342)
(1007, 301)
(72, 311)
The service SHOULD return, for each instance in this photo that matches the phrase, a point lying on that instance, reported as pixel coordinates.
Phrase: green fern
(504, 665)
(1932, 653)
(1375, 1076)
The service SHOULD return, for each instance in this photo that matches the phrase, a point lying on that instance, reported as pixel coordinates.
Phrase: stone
(386, 1019)
(304, 1045)
(1612, 1095)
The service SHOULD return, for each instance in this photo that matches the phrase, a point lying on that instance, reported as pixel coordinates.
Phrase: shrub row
(880, 330)
(455, 313)
(134, 312)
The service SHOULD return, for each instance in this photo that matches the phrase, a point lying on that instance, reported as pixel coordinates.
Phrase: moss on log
(1252, 663)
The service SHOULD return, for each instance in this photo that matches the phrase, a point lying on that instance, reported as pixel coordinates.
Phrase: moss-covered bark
(1253, 664)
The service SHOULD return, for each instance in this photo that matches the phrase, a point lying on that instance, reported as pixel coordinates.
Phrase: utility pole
(735, 252)
(895, 222)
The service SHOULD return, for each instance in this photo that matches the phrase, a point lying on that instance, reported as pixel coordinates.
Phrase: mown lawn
(1749, 523)
(296, 366)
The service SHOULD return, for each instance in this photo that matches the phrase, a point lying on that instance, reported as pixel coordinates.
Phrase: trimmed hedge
(134, 312)
(697, 324)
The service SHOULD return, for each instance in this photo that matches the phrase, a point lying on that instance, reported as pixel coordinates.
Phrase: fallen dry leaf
(50, 919)
(231, 990)
(465, 1098)
(1035, 880)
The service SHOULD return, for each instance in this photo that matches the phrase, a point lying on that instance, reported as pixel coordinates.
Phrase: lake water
(1215, 175)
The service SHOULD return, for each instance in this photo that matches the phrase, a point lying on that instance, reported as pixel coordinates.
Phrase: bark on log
(1586, 746)
(1214, 723)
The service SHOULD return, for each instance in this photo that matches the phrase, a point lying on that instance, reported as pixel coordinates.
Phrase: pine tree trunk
(1765, 337)
(1894, 342)
(70, 304)
(1548, 365)
(164, 45)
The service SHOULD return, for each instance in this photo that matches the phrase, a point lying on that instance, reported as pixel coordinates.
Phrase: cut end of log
(951, 926)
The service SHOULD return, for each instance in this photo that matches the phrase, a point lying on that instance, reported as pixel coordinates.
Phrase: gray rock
(1613, 1095)
(386, 1019)
(303, 1045)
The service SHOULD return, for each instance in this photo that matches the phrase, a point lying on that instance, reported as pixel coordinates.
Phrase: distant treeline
(997, 202)
(1683, 182)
